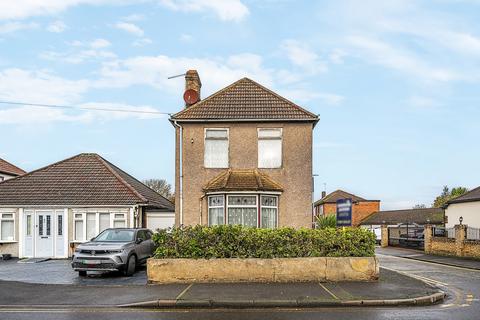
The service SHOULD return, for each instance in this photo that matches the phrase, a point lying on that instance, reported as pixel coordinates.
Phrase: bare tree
(162, 187)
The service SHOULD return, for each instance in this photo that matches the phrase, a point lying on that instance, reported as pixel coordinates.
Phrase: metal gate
(407, 236)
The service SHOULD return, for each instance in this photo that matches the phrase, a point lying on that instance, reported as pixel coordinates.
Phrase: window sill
(8, 241)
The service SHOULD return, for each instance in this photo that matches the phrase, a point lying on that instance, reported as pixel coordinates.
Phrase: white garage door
(160, 220)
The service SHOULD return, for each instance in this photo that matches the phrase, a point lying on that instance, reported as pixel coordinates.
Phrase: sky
(396, 83)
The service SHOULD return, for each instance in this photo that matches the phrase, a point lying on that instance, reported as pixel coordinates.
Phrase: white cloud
(21, 9)
(42, 87)
(100, 43)
(82, 52)
(39, 87)
(154, 70)
(379, 52)
(142, 42)
(10, 27)
(130, 28)
(57, 27)
(301, 55)
(134, 17)
(226, 10)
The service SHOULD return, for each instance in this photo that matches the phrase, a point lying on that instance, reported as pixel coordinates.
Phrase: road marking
(183, 292)
(426, 262)
(330, 292)
(424, 279)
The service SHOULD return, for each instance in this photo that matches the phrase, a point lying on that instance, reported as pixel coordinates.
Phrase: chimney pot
(324, 194)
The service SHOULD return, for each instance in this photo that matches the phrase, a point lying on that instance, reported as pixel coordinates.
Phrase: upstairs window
(269, 148)
(216, 148)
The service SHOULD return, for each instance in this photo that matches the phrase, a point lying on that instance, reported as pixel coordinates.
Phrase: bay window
(269, 209)
(243, 210)
(250, 210)
(7, 227)
(215, 210)
(89, 224)
(216, 148)
(270, 148)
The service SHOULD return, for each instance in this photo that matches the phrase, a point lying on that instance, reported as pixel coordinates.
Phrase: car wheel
(131, 265)
(82, 273)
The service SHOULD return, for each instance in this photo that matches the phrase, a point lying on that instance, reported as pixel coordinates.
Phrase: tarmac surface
(462, 286)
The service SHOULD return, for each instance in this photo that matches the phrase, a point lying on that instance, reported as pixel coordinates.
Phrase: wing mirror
(139, 240)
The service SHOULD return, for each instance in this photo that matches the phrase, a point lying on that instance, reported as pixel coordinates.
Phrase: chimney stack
(192, 82)
(324, 194)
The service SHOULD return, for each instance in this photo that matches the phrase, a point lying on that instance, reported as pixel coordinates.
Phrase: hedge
(242, 242)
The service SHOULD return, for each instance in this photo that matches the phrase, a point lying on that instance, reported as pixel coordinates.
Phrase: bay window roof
(242, 180)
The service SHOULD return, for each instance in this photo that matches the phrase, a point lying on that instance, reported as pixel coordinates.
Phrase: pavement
(54, 283)
(462, 302)
(421, 256)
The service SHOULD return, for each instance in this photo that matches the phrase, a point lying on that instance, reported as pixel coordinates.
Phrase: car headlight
(115, 251)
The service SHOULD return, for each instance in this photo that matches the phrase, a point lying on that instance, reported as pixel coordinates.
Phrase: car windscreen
(116, 235)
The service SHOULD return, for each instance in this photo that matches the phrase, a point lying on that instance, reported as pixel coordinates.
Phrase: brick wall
(458, 246)
(360, 210)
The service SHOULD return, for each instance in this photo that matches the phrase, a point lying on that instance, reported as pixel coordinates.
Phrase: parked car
(115, 249)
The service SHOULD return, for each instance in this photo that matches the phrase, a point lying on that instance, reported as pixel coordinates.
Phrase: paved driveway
(60, 272)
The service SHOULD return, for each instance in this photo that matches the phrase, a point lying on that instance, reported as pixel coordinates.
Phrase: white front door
(44, 233)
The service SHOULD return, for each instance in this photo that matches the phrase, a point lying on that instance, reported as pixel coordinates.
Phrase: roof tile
(242, 180)
(245, 99)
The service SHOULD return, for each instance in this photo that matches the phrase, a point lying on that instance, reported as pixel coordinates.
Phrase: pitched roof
(245, 100)
(86, 179)
(472, 195)
(337, 195)
(8, 168)
(242, 180)
(418, 216)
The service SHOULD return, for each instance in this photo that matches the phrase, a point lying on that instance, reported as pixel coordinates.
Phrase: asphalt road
(462, 286)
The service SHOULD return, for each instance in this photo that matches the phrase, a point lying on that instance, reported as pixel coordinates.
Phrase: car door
(151, 248)
(143, 248)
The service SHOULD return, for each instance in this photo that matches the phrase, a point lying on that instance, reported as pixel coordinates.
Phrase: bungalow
(8, 170)
(46, 212)
(466, 206)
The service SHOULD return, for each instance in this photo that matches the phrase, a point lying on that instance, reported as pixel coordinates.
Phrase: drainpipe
(180, 187)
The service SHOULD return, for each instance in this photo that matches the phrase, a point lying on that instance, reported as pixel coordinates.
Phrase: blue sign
(344, 212)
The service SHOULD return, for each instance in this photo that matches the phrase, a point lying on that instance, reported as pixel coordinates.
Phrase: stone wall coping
(225, 270)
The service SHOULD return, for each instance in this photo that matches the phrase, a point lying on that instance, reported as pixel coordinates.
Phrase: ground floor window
(252, 210)
(7, 227)
(88, 225)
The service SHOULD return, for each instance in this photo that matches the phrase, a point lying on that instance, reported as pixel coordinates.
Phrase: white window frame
(2, 219)
(268, 207)
(261, 166)
(205, 149)
(97, 213)
(241, 206)
(216, 207)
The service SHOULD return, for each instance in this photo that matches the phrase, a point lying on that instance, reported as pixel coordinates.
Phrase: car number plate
(91, 262)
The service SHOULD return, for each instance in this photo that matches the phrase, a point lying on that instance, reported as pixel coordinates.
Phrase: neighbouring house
(8, 170)
(243, 156)
(466, 206)
(398, 221)
(46, 212)
(361, 208)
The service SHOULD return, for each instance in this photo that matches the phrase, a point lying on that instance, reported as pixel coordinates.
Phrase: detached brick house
(361, 208)
(243, 156)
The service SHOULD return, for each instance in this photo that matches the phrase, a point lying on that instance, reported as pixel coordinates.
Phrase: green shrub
(241, 242)
(329, 221)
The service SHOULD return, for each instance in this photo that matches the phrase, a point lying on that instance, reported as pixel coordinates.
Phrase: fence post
(384, 240)
(460, 236)
(428, 233)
